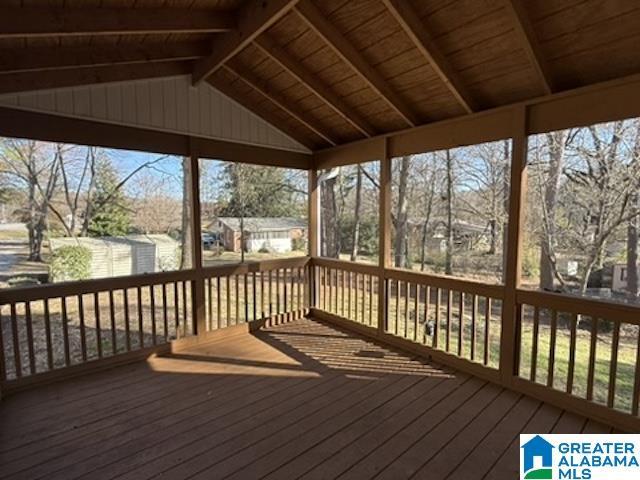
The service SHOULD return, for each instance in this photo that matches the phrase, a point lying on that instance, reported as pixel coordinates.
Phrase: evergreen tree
(110, 215)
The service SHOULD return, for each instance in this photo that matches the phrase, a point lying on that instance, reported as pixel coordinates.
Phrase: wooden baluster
(270, 298)
(552, 348)
(112, 324)
(487, 330)
(613, 364)
(16, 341)
(461, 324)
(65, 331)
(371, 300)
(635, 405)
(185, 315)
(237, 299)
(228, 292)
(534, 344)
(287, 294)
(349, 287)
(246, 297)
(407, 287)
(436, 327)
(416, 313)
(3, 368)
(593, 345)
(141, 315)
(572, 353)
(208, 282)
(165, 316)
(30, 346)
(218, 304)
(449, 310)
(474, 331)
(262, 307)
(176, 308)
(364, 299)
(47, 332)
(427, 300)
(340, 285)
(152, 292)
(83, 332)
(96, 310)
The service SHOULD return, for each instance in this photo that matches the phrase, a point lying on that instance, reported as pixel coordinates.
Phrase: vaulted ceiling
(327, 72)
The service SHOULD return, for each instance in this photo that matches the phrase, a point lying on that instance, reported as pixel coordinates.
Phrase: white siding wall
(166, 104)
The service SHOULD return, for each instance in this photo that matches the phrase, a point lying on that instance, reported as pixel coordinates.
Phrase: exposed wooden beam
(525, 31)
(253, 19)
(224, 87)
(27, 81)
(40, 21)
(348, 53)
(55, 58)
(410, 22)
(308, 79)
(291, 109)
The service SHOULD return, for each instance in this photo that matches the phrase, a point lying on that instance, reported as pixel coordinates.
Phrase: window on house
(349, 202)
(449, 211)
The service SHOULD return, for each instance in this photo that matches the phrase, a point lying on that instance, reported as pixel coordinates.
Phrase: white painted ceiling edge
(168, 104)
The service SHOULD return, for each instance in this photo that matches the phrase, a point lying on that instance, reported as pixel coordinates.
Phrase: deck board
(300, 400)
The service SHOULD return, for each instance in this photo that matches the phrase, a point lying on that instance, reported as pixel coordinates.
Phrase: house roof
(327, 72)
(263, 224)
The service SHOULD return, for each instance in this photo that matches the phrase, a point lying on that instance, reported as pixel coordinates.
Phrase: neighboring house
(128, 255)
(619, 278)
(466, 236)
(273, 234)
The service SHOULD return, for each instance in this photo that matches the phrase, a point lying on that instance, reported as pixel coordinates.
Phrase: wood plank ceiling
(327, 72)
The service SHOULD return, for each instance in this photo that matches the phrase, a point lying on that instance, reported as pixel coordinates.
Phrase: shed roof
(263, 224)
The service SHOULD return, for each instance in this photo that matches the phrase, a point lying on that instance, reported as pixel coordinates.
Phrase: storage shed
(129, 255)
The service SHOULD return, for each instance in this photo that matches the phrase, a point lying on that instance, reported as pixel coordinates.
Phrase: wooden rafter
(252, 20)
(525, 31)
(39, 21)
(54, 58)
(28, 81)
(291, 109)
(224, 87)
(350, 55)
(300, 73)
(410, 22)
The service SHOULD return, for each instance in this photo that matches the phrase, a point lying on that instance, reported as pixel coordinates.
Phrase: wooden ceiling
(328, 72)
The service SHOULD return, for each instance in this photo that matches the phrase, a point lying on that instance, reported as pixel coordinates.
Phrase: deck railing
(578, 353)
(56, 330)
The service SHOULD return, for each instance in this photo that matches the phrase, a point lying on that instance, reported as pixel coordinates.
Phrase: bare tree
(401, 217)
(448, 263)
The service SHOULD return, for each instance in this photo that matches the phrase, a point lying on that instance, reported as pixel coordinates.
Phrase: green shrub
(298, 244)
(70, 263)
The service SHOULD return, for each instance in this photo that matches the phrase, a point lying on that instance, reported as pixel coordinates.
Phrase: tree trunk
(556, 153)
(356, 222)
(329, 219)
(632, 249)
(448, 263)
(400, 244)
(185, 234)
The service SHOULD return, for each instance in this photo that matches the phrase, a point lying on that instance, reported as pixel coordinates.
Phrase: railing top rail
(580, 305)
(448, 283)
(257, 266)
(81, 287)
(346, 265)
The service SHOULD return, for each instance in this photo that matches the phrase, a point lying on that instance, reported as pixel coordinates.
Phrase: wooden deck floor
(302, 400)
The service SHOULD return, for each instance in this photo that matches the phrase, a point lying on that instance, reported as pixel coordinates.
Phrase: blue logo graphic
(540, 448)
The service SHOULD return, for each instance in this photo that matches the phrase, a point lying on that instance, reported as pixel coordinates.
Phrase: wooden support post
(197, 286)
(384, 260)
(510, 338)
(313, 232)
